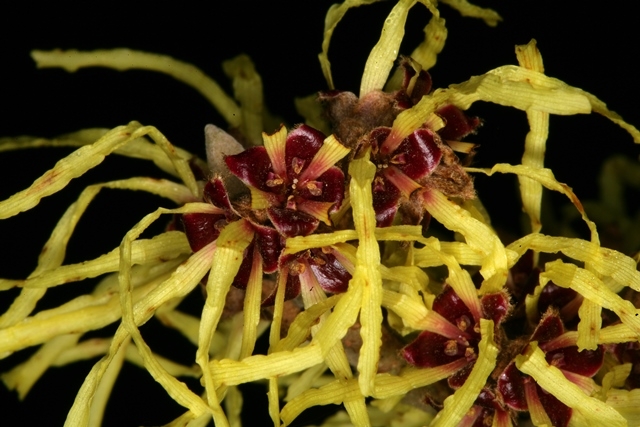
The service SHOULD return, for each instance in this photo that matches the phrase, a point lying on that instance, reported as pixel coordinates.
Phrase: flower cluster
(294, 186)
(321, 235)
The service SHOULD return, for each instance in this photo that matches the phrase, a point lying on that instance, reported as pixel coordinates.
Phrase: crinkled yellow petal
(335, 393)
(183, 280)
(139, 148)
(180, 159)
(251, 308)
(589, 286)
(85, 313)
(604, 261)
(397, 232)
(278, 308)
(367, 273)
(103, 392)
(521, 88)
(51, 257)
(550, 378)
(162, 247)
(384, 53)
(457, 405)
(601, 108)
(127, 59)
(54, 250)
(619, 333)
(334, 16)
(273, 395)
(477, 235)
(23, 377)
(386, 386)
(546, 178)
(247, 89)
(301, 326)
(274, 403)
(411, 378)
(616, 334)
(277, 364)
(231, 243)
(589, 326)
(280, 363)
(535, 143)
(133, 316)
(626, 403)
(509, 85)
(462, 252)
(336, 359)
(490, 17)
(616, 377)
(344, 315)
(302, 243)
(85, 158)
(73, 139)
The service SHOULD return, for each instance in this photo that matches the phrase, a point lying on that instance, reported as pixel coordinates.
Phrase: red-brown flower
(459, 335)
(400, 167)
(203, 228)
(519, 391)
(294, 178)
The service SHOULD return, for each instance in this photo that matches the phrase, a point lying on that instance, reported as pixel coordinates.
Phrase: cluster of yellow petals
(149, 277)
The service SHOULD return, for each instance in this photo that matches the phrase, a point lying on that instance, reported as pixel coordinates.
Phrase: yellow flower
(329, 349)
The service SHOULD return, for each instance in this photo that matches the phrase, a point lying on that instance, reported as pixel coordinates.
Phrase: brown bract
(351, 117)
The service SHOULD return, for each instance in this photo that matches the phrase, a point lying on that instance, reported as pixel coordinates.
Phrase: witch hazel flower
(520, 392)
(304, 191)
(399, 137)
(204, 228)
(423, 158)
(458, 334)
(293, 178)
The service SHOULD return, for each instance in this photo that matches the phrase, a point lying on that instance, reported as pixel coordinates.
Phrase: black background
(586, 47)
